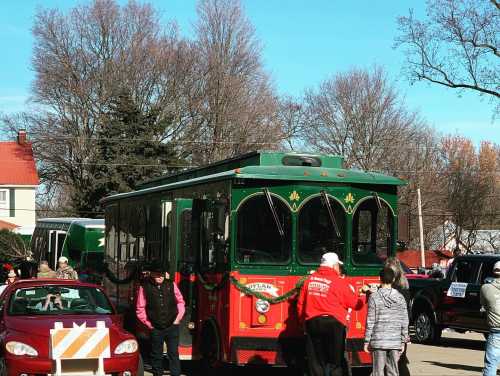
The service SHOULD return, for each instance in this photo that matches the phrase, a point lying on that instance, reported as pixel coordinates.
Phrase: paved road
(457, 355)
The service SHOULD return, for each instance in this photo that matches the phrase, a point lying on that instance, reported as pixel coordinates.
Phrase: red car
(30, 308)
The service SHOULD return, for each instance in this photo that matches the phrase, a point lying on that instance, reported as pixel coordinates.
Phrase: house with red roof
(412, 258)
(18, 183)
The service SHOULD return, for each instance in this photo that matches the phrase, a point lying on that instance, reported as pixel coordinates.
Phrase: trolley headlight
(19, 348)
(127, 347)
(262, 306)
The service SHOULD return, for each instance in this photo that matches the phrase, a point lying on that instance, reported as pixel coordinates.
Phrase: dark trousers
(325, 344)
(403, 363)
(171, 337)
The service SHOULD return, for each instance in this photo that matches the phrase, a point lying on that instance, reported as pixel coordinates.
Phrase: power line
(208, 142)
(389, 172)
(145, 140)
(111, 164)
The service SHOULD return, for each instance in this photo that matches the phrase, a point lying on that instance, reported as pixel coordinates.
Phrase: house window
(4, 203)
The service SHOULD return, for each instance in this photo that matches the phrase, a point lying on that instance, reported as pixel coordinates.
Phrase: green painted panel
(296, 195)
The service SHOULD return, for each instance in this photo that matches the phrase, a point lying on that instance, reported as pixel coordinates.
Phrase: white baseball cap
(496, 267)
(63, 259)
(12, 273)
(330, 259)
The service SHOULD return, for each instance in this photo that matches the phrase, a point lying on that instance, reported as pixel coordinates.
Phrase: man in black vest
(160, 307)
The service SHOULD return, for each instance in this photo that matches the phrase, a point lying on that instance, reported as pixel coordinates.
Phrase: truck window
(465, 271)
(486, 271)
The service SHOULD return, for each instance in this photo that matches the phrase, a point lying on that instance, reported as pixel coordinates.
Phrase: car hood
(41, 325)
(35, 330)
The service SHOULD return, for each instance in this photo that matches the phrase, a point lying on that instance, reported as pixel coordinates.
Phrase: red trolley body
(240, 237)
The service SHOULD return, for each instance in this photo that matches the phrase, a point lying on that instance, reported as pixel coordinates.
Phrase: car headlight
(19, 348)
(127, 347)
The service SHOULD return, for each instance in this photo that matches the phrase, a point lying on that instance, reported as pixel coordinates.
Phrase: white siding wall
(24, 207)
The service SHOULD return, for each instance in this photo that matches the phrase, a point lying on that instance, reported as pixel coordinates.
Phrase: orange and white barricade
(76, 350)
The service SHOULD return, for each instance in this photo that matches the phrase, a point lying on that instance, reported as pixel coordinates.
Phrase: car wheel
(140, 367)
(426, 330)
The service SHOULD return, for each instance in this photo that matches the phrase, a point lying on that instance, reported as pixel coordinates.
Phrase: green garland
(274, 300)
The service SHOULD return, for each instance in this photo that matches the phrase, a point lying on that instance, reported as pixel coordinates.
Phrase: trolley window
(186, 248)
(262, 237)
(318, 231)
(372, 230)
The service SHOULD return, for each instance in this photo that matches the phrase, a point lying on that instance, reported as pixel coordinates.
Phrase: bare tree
(419, 163)
(359, 115)
(457, 46)
(84, 60)
(235, 105)
(290, 116)
(492, 238)
(468, 177)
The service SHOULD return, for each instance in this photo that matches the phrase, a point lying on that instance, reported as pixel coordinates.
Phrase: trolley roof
(266, 166)
(84, 222)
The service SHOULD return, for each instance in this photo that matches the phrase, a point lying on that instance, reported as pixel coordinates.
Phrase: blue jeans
(171, 337)
(492, 354)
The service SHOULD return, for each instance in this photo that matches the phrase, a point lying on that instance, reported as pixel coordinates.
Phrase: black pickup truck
(452, 302)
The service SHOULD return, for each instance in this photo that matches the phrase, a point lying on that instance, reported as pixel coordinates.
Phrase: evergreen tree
(129, 151)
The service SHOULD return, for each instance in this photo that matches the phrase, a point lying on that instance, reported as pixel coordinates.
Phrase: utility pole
(421, 228)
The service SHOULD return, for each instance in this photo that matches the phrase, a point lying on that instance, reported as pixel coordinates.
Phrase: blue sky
(304, 42)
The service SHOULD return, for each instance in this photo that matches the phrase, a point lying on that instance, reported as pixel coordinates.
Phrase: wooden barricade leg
(100, 370)
(58, 367)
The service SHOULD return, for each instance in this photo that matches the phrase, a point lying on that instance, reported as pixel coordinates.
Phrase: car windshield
(50, 300)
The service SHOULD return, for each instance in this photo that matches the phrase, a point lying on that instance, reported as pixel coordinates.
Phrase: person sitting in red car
(53, 302)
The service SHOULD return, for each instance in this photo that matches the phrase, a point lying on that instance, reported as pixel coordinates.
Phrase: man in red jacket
(323, 304)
